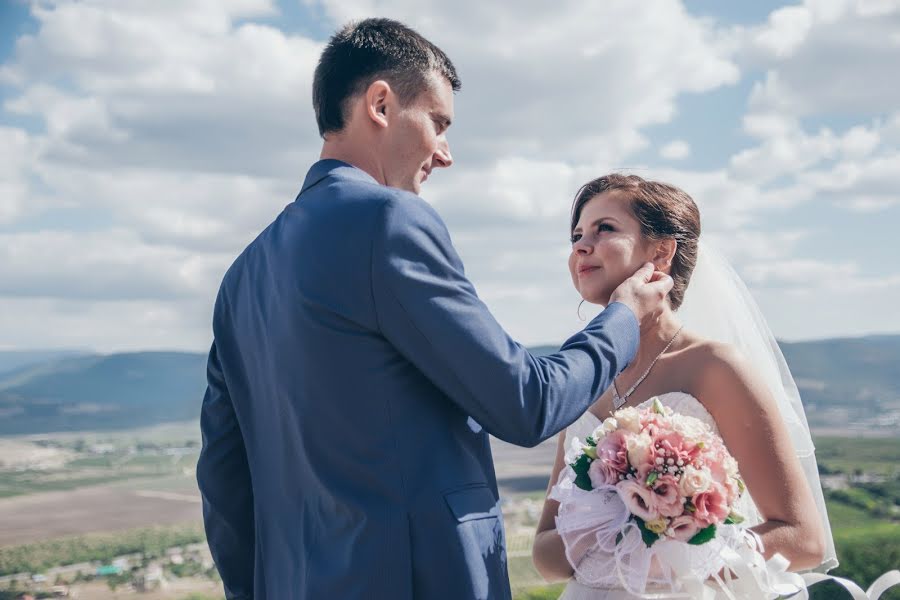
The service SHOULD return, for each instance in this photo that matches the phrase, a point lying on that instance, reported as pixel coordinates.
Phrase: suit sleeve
(223, 475)
(430, 312)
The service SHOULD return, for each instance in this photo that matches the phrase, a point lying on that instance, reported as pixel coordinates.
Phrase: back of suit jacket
(353, 381)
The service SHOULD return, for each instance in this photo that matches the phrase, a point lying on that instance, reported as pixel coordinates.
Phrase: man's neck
(338, 147)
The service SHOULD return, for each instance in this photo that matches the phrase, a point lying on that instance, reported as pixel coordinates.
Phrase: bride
(744, 392)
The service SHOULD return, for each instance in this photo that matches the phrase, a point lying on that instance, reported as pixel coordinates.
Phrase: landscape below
(98, 497)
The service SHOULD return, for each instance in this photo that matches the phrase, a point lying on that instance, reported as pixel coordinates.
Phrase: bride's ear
(665, 253)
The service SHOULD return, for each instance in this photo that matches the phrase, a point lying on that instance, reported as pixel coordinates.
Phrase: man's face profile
(416, 136)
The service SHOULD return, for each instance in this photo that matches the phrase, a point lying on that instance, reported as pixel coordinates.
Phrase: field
(96, 497)
(118, 506)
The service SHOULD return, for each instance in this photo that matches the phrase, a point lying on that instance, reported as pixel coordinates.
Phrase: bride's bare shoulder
(704, 352)
(713, 364)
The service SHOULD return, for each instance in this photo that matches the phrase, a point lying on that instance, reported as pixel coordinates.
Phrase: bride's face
(607, 246)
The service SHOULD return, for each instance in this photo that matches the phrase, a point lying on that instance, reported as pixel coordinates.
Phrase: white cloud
(827, 56)
(799, 273)
(786, 148)
(871, 204)
(178, 86)
(571, 80)
(805, 313)
(866, 185)
(786, 29)
(16, 149)
(675, 150)
(173, 132)
(193, 210)
(109, 265)
(106, 325)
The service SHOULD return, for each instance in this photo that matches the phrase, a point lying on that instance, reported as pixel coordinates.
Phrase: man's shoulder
(395, 206)
(369, 192)
(385, 194)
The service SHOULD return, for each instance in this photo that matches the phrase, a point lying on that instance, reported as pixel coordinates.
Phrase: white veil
(718, 306)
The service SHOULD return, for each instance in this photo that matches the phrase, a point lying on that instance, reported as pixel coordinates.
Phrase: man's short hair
(369, 50)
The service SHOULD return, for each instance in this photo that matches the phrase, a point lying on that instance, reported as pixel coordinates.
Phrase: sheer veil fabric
(718, 306)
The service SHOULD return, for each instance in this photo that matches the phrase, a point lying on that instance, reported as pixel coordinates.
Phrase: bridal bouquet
(648, 503)
(673, 474)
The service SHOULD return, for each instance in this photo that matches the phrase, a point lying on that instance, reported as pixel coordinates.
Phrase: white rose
(689, 428)
(576, 449)
(607, 426)
(694, 481)
(629, 419)
(639, 448)
(731, 467)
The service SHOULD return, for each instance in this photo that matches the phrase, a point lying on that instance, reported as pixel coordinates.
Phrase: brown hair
(373, 49)
(664, 212)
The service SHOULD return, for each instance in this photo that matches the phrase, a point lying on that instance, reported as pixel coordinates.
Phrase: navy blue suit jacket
(353, 382)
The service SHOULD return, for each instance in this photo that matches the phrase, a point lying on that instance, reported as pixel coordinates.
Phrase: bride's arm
(754, 432)
(548, 552)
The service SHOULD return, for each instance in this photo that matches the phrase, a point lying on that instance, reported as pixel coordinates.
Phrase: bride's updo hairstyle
(664, 212)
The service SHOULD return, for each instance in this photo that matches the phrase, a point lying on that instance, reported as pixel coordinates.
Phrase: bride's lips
(584, 270)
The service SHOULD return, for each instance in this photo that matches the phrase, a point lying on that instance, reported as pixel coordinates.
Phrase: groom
(355, 375)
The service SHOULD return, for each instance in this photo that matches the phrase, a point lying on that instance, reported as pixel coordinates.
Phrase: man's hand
(644, 292)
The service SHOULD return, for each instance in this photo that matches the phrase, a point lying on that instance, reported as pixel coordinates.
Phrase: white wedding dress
(681, 403)
(718, 306)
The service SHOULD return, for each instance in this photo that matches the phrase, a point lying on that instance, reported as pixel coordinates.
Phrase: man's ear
(378, 97)
(665, 253)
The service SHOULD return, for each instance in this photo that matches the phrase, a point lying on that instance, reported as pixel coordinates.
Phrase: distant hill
(102, 392)
(12, 360)
(855, 377)
(855, 380)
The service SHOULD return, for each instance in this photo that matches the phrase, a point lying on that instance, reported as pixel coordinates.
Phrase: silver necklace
(618, 401)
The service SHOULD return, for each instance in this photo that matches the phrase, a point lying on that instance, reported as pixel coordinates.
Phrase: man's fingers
(662, 282)
(645, 273)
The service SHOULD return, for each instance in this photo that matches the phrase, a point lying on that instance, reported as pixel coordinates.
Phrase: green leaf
(703, 536)
(581, 466)
(734, 519)
(651, 478)
(590, 441)
(648, 536)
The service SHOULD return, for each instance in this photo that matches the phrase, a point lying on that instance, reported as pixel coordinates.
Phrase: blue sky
(149, 142)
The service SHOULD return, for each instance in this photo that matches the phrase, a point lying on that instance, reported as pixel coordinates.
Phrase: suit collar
(335, 168)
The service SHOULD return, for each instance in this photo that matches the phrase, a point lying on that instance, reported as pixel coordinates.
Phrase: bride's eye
(605, 227)
(575, 237)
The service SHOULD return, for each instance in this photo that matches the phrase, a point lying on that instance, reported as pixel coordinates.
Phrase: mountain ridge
(841, 380)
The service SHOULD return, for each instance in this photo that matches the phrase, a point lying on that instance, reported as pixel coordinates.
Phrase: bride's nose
(581, 247)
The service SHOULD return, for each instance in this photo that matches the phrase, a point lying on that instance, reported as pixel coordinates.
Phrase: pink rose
(652, 423)
(611, 461)
(667, 499)
(683, 528)
(711, 505)
(638, 499)
(732, 491)
(670, 444)
(715, 456)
